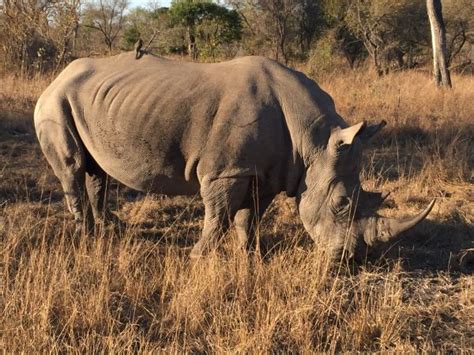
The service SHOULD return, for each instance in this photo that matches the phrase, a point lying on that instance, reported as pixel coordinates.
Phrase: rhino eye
(342, 147)
(341, 206)
(343, 201)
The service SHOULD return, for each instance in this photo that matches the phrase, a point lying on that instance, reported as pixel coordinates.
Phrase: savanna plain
(132, 288)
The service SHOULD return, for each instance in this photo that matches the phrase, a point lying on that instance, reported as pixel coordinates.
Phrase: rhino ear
(371, 130)
(342, 136)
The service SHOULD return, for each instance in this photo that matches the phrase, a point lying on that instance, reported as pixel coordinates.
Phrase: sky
(134, 3)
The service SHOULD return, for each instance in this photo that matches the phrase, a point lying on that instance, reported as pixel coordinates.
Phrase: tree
(308, 21)
(393, 32)
(281, 15)
(107, 17)
(198, 17)
(344, 42)
(37, 34)
(438, 37)
(374, 23)
(139, 23)
(458, 16)
(66, 14)
(284, 28)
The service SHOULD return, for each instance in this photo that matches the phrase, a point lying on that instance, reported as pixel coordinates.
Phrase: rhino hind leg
(246, 221)
(222, 199)
(65, 153)
(73, 185)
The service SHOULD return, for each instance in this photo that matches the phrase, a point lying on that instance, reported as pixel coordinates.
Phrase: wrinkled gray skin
(237, 132)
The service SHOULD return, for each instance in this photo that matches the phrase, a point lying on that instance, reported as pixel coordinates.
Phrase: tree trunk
(192, 48)
(281, 41)
(74, 38)
(377, 65)
(438, 37)
(281, 45)
(109, 44)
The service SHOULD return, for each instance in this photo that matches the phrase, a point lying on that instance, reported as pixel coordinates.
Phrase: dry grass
(134, 289)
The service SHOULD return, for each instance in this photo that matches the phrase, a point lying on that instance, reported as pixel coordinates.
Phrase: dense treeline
(44, 35)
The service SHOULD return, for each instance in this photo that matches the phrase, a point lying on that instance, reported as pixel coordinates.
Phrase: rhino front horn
(393, 227)
(384, 229)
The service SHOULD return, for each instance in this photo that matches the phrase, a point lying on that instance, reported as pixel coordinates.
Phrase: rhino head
(338, 214)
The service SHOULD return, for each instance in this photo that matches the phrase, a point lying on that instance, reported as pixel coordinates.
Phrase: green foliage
(226, 23)
(321, 57)
(130, 36)
(332, 52)
(153, 25)
(209, 25)
(189, 13)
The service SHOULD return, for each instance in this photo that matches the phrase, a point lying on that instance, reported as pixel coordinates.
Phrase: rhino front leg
(246, 221)
(222, 199)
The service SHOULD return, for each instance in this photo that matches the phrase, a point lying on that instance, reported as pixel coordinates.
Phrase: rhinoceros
(237, 132)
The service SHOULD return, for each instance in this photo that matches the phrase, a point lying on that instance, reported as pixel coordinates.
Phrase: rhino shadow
(404, 150)
(177, 226)
(430, 247)
(17, 126)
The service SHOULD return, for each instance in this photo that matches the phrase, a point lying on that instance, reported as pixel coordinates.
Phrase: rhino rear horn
(372, 200)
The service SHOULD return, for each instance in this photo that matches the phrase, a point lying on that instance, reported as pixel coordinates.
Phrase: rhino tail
(190, 171)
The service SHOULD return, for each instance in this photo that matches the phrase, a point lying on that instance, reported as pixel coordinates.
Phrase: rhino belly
(147, 173)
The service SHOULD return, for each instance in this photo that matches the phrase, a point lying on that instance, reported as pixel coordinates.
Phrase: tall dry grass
(133, 288)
